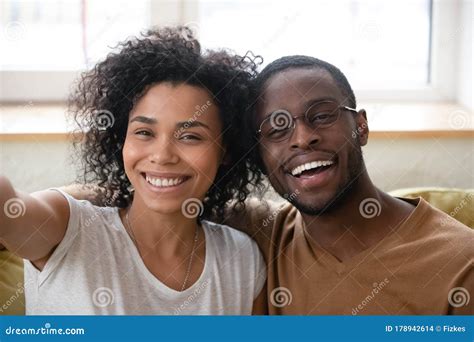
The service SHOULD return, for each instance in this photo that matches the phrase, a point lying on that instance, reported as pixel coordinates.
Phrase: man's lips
(296, 165)
(314, 178)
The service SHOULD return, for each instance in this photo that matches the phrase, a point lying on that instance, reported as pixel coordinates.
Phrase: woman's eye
(189, 137)
(144, 133)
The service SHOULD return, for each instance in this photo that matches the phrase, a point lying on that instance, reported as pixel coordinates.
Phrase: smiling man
(342, 246)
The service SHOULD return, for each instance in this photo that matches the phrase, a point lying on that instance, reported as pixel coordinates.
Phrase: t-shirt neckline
(344, 266)
(154, 280)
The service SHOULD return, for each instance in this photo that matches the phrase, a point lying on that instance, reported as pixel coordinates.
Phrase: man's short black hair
(299, 61)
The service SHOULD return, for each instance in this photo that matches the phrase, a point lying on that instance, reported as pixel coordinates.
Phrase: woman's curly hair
(105, 95)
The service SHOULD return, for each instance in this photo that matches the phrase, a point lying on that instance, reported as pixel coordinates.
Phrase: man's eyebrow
(311, 102)
(307, 104)
(144, 119)
(190, 124)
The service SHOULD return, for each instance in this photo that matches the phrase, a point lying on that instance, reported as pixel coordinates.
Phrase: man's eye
(321, 117)
(277, 132)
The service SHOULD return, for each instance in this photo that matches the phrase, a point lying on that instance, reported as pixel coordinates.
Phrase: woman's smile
(165, 182)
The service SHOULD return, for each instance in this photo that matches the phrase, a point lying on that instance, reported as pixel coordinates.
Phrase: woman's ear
(226, 160)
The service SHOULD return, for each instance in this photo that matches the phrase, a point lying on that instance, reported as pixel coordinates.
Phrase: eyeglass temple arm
(350, 109)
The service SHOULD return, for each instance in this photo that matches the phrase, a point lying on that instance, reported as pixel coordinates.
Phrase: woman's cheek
(206, 161)
(129, 154)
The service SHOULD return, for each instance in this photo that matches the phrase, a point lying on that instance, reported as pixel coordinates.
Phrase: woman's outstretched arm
(32, 225)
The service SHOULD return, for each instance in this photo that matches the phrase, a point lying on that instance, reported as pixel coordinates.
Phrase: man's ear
(362, 127)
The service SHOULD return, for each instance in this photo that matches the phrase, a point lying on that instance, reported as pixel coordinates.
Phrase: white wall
(395, 164)
(36, 165)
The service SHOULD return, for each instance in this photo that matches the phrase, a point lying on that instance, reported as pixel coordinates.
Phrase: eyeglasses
(280, 124)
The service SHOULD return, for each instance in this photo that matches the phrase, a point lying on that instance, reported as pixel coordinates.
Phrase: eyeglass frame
(306, 121)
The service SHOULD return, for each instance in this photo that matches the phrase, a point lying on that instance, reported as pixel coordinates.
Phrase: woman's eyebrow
(182, 124)
(190, 124)
(144, 119)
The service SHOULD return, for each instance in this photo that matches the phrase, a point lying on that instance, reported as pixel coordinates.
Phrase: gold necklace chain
(188, 271)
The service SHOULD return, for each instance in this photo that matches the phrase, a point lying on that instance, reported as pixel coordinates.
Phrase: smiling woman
(159, 123)
(165, 167)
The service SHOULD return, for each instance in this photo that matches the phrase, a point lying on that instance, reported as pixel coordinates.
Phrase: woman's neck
(167, 234)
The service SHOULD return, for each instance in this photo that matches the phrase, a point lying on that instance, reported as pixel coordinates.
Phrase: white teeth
(164, 182)
(312, 165)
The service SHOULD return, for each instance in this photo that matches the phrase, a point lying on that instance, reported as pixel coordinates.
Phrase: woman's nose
(164, 151)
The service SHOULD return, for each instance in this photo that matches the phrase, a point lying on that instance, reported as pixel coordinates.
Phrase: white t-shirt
(97, 270)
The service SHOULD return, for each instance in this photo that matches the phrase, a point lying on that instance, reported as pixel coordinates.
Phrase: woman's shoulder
(85, 214)
(237, 253)
(224, 235)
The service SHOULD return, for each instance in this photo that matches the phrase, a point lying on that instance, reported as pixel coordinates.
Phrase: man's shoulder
(436, 221)
(441, 233)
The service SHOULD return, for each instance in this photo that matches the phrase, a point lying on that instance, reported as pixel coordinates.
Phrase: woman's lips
(165, 182)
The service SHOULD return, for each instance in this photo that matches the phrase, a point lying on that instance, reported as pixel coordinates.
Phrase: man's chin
(322, 203)
(314, 208)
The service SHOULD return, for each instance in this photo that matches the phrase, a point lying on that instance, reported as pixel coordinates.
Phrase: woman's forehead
(176, 102)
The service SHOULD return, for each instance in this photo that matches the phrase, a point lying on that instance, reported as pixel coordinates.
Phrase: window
(398, 50)
(50, 41)
(377, 44)
(65, 35)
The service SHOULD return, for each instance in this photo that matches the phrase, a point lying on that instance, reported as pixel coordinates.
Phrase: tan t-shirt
(425, 267)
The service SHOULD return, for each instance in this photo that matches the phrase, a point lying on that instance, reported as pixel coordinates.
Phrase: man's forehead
(292, 89)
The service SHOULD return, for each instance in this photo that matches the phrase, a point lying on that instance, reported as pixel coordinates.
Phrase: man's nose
(304, 136)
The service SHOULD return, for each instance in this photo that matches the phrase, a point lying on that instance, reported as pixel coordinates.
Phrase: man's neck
(362, 219)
